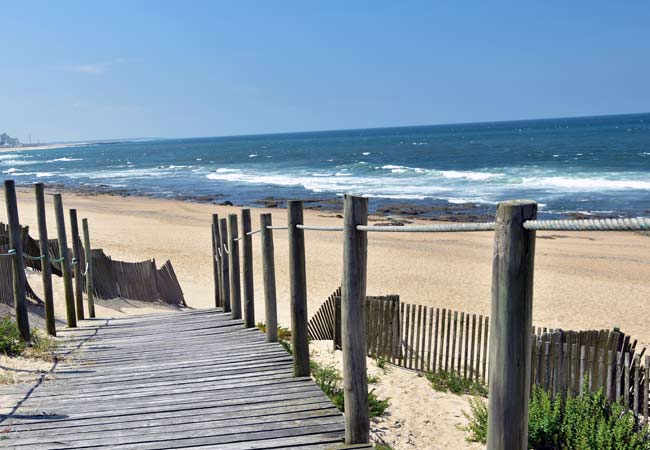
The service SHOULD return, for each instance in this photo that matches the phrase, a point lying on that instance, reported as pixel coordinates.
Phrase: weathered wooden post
(298, 290)
(225, 265)
(511, 319)
(90, 293)
(233, 256)
(353, 333)
(216, 265)
(247, 259)
(268, 270)
(46, 269)
(76, 262)
(17, 261)
(65, 261)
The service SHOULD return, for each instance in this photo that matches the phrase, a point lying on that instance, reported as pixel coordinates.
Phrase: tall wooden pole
(353, 333)
(65, 263)
(268, 270)
(225, 264)
(76, 261)
(511, 319)
(298, 290)
(90, 293)
(17, 261)
(247, 259)
(233, 257)
(46, 268)
(216, 265)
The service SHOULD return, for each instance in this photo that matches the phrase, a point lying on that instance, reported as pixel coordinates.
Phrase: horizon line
(272, 133)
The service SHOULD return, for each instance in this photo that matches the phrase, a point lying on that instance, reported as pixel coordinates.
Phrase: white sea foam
(64, 159)
(252, 155)
(11, 170)
(596, 183)
(477, 176)
(365, 153)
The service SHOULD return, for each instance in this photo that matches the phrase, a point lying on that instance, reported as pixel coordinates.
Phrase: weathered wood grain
(168, 381)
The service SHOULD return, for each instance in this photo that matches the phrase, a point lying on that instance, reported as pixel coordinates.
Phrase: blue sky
(92, 70)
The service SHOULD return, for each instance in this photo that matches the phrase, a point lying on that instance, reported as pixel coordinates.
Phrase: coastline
(583, 280)
(386, 210)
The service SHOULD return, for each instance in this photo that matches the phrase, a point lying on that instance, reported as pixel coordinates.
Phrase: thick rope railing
(636, 224)
(452, 227)
(315, 228)
(33, 258)
(10, 252)
(225, 249)
(57, 260)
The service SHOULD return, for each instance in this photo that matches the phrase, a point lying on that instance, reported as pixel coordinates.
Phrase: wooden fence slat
(453, 341)
(636, 389)
(626, 381)
(477, 372)
(486, 321)
(417, 339)
(460, 343)
(442, 338)
(646, 390)
(400, 335)
(472, 354)
(466, 341)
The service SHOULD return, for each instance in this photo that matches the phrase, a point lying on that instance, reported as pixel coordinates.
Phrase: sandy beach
(585, 280)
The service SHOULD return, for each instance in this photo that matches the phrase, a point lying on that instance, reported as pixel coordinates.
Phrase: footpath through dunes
(191, 379)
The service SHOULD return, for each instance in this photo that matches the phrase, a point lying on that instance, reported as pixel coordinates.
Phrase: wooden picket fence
(570, 361)
(135, 280)
(435, 339)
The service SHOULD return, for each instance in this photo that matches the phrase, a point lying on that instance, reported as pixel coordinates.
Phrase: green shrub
(583, 422)
(329, 379)
(456, 384)
(10, 342)
(477, 418)
(383, 447)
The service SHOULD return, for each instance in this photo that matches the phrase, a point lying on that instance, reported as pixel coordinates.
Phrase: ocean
(590, 165)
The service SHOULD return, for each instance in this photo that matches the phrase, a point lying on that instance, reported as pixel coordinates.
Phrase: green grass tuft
(329, 379)
(456, 384)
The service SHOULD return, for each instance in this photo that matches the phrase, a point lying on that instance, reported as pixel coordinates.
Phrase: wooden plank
(442, 340)
(430, 341)
(646, 390)
(353, 300)
(485, 347)
(201, 394)
(76, 259)
(298, 293)
(418, 334)
(459, 363)
(247, 262)
(46, 268)
(225, 265)
(466, 353)
(71, 315)
(453, 341)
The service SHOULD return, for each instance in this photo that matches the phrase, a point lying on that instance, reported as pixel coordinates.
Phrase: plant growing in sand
(329, 379)
(582, 422)
(40, 346)
(456, 384)
(10, 342)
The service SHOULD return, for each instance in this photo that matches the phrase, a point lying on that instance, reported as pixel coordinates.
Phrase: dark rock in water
(227, 203)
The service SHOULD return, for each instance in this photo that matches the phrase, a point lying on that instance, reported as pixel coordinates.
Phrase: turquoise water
(595, 164)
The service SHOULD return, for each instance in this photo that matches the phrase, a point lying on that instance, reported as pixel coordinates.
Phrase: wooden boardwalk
(193, 379)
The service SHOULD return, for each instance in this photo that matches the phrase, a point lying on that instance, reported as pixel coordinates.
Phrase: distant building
(8, 141)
